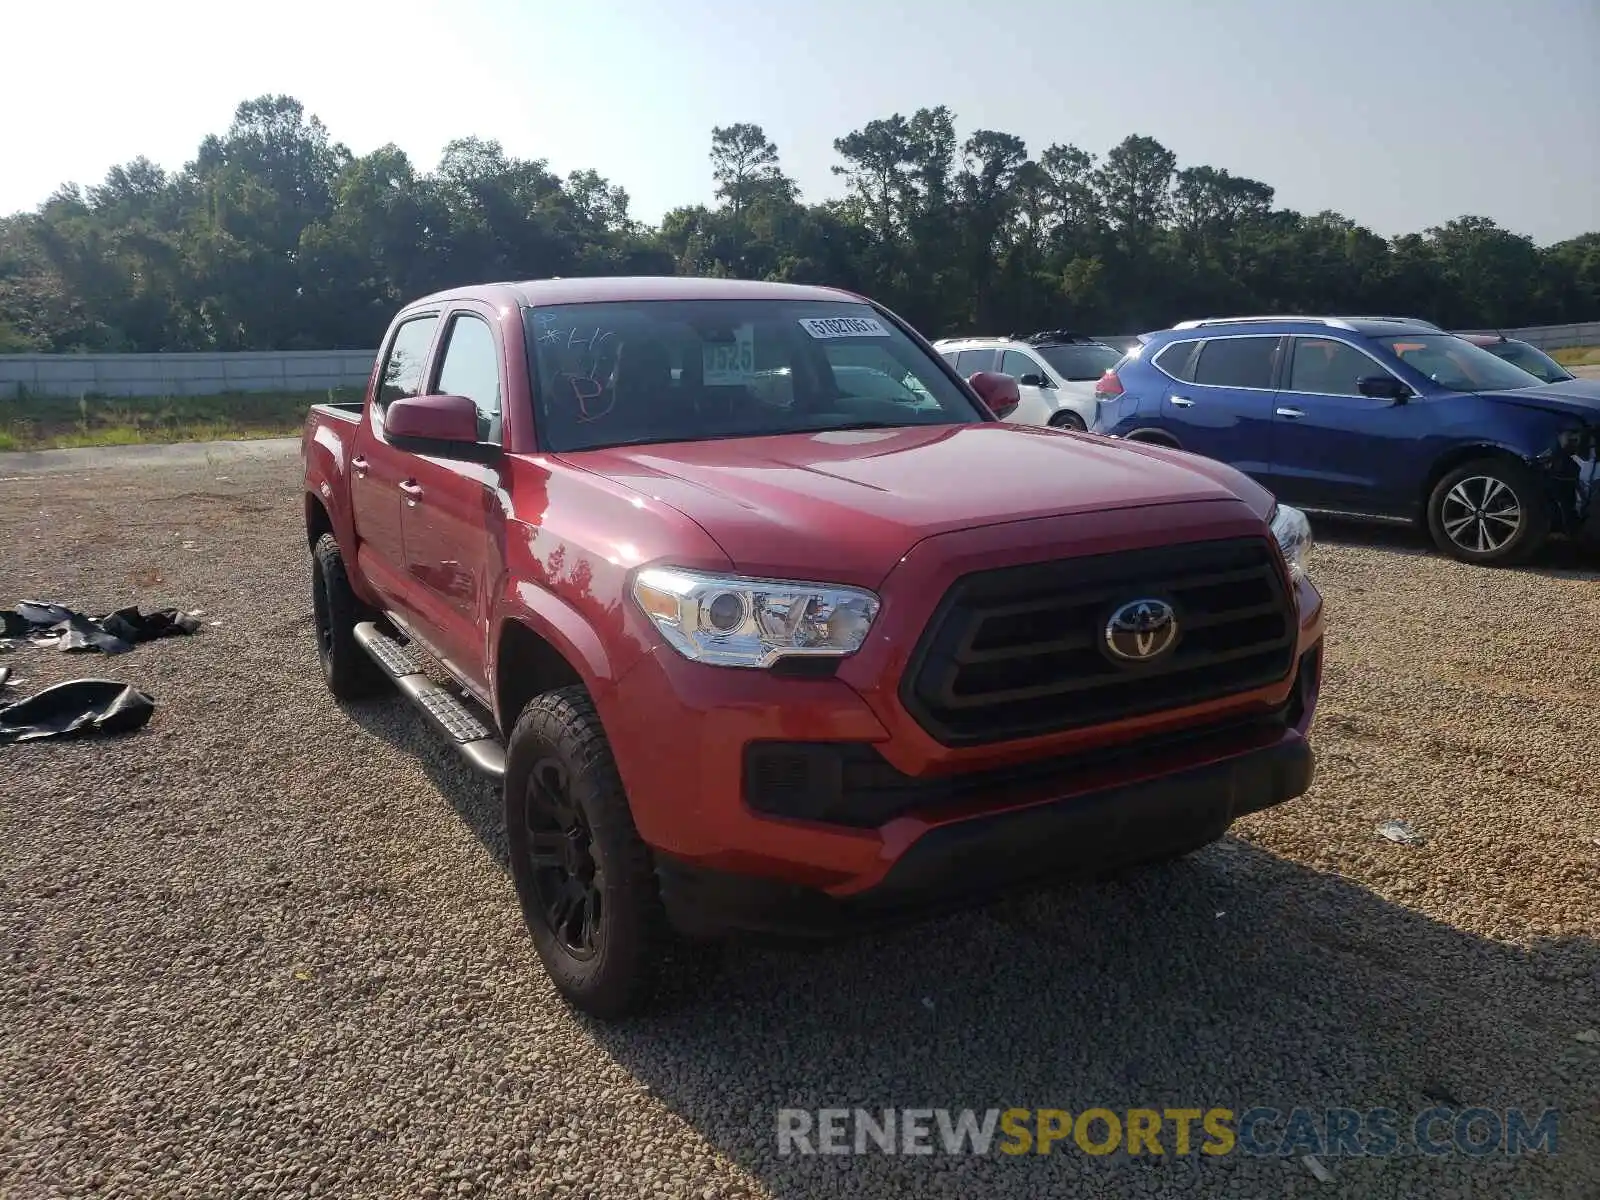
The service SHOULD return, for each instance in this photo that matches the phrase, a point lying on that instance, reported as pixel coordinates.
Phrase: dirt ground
(268, 946)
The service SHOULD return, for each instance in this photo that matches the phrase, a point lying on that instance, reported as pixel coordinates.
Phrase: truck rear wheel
(336, 610)
(584, 878)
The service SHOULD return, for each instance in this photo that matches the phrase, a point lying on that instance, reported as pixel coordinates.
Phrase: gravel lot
(268, 946)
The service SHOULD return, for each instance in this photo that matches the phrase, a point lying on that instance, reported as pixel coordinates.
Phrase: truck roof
(599, 289)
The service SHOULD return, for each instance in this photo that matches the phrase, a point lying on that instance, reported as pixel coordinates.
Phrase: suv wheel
(336, 610)
(1067, 419)
(584, 878)
(1490, 511)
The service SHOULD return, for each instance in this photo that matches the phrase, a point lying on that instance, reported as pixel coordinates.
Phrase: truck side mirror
(998, 391)
(439, 426)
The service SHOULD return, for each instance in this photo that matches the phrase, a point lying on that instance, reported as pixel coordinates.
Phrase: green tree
(276, 236)
(744, 162)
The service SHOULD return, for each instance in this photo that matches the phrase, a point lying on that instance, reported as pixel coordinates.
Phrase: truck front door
(448, 505)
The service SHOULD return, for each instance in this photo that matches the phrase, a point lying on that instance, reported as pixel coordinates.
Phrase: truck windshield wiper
(834, 426)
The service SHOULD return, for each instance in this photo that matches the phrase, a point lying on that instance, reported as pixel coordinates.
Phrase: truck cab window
(471, 368)
(402, 370)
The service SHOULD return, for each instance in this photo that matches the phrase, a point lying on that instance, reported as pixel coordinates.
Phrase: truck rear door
(378, 471)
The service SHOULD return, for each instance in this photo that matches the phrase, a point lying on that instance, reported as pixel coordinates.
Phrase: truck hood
(845, 506)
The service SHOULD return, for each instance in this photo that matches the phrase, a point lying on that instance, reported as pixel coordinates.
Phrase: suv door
(377, 469)
(1334, 448)
(1225, 410)
(448, 503)
(1038, 396)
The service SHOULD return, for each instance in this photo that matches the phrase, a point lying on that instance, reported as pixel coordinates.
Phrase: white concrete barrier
(204, 374)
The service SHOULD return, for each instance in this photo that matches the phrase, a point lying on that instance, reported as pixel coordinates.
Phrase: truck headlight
(729, 621)
(1293, 532)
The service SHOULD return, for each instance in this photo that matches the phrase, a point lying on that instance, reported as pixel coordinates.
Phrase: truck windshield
(613, 374)
(1454, 363)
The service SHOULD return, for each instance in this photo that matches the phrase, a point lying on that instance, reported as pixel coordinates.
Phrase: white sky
(1400, 115)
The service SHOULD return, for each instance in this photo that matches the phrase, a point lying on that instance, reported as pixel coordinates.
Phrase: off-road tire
(633, 939)
(347, 669)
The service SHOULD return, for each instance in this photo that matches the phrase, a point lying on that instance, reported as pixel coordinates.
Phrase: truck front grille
(1020, 651)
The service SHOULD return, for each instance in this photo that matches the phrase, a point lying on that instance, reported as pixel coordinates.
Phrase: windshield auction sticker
(834, 327)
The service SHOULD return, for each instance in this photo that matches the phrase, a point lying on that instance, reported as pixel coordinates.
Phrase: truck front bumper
(793, 803)
(963, 863)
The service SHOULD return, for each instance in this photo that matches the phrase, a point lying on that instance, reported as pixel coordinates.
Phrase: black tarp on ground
(115, 633)
(73, 709)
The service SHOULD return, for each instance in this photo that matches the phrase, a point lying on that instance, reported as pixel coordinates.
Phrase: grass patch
(1576, 356)
(51, 422)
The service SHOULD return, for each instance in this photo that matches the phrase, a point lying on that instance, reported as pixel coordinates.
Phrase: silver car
(1055, 371)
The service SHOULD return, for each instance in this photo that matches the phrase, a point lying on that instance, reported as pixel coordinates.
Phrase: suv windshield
(1079, 364)
(1456, 364)
(687, 370)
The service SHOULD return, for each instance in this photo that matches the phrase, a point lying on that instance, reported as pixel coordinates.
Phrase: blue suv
(1385, 418)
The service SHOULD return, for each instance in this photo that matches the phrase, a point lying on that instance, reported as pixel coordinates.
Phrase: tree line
(278, 237)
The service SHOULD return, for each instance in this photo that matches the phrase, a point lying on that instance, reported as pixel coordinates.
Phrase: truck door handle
(1182, 402)
(412, 489)
(359, 462)
(1294, 414)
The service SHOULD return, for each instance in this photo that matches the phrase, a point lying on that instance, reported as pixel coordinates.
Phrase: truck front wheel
(584, 878)
(336, 610)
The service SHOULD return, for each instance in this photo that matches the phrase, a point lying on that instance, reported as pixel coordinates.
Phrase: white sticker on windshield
(730, 363)
(833, 327)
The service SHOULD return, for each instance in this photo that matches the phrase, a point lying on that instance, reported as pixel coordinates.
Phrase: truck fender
(565, 630)
(326, 452)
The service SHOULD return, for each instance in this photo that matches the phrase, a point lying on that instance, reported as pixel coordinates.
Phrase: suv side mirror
(998, 391)
(441, 426)
(1033, 380)
(1384, 387)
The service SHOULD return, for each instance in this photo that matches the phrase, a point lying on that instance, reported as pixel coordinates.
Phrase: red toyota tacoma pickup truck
(767, 620)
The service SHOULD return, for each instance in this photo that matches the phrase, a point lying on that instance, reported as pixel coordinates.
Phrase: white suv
(1056, 372)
